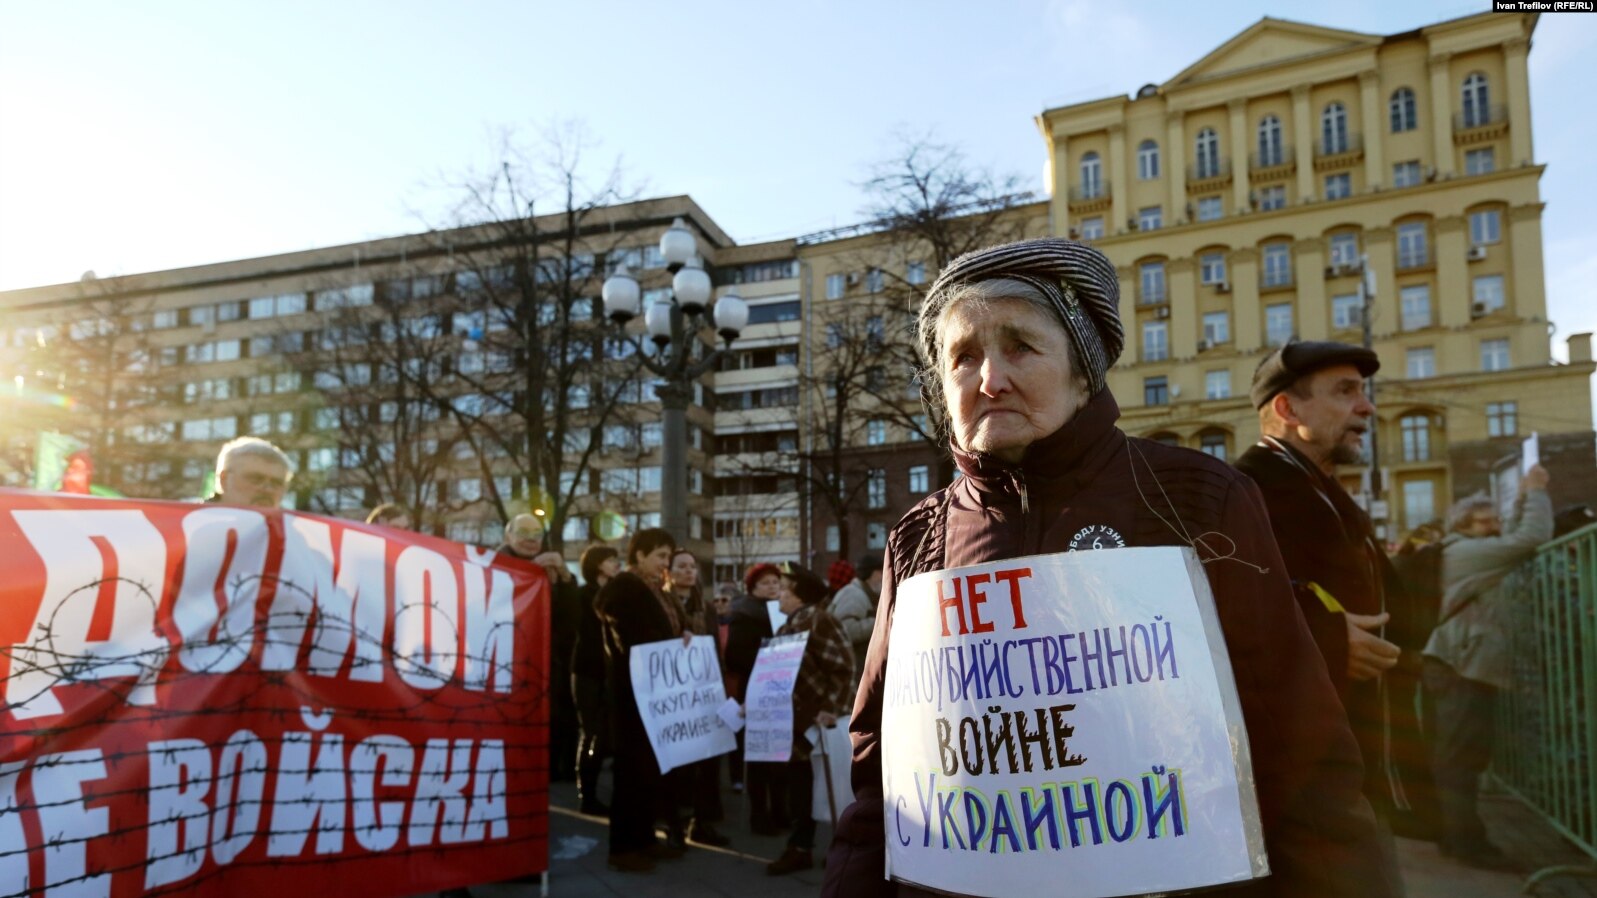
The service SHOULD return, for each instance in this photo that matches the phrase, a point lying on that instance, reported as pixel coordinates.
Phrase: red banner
(231, 701)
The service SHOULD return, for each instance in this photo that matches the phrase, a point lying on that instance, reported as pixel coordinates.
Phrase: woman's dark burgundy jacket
(1319, 830)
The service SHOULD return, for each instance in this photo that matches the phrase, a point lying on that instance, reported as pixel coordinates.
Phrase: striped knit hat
(1079, 280)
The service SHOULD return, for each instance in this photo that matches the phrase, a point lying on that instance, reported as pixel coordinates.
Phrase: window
(1494, 355)
(1152, 282)
(1333, 130)
(1421, 363)
(1345, 249)
(875, 432)
(1278, 323)
(1502, 419)
(1269, 142)
(1475, 101)
(919, 479)
(915, 273)
(1416, 437)
(1485, 227)
(468, 489)
(1206, 154)
(1488, 294)
(1406, 174)
(1419, 502)
(1402, 111)
(873, 280)
(1150, 218)
(1481, 161)
(875, 535)
(1273, 197)
(1209, 208)
(1277, 264)
(202, 315)
(770, 312)
(1217, 327)
(876, 488)
(1346, 312)
(1213, 443)
(1338, 186)
(1155, 391)
(164, 318)
(1092, 228)
(1155, 341)
(1211, 268)
(1147, 160)
(833, 538)
(1217, 385)
(1091, 176)
(835, 284)
(1412, 251)
(1416, 306)
(834, 335)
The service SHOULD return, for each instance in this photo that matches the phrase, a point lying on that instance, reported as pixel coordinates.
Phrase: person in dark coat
(524, 539)
(1016, 341)
(697, 785)
(751, 623)
(1313, 414)
(588, 687)
(636, 609)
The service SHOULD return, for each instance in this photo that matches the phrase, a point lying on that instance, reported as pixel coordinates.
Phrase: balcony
(1409, 261)
(1344, 153)
(1480, 125)
(1271, 166)
(1152, 297)
(1208, 178)
(1089, 198)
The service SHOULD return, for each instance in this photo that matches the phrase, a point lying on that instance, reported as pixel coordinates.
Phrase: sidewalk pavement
(577, 866)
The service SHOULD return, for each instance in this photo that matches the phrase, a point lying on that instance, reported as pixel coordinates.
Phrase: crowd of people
(1366, 681)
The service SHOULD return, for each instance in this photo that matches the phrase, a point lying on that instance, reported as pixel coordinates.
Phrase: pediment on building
(1270, 42)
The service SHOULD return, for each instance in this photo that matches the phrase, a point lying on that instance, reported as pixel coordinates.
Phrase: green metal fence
(1546, 749)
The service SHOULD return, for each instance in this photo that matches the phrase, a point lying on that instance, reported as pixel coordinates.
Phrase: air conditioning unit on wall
(1476, 253)
(1223, 287)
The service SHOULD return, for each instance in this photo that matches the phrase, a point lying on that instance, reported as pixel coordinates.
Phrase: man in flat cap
(1016, 343)
(1313, 414)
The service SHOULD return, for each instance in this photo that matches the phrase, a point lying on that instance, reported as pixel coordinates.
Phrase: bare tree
(926, 205)
(93, 363)
(536, 379)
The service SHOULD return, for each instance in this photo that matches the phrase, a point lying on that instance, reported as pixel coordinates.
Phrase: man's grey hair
(1460, 515)
(980, 294)
(251, 446)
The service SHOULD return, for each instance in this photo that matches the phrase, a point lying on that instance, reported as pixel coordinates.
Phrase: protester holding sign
(697, 786)
(636, 609)
(820, 694)
(751, 623)
(1016, 341)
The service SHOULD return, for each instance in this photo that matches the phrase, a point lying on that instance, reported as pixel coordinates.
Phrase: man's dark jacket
(1325, 538)
(751, 623)
(1318, 828)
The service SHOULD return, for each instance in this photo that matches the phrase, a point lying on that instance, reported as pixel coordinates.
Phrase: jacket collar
(1070, 455)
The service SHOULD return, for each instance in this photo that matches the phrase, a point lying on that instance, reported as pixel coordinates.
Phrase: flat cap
(1299, 358)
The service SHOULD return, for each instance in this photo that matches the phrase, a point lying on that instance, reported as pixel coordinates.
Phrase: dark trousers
(766, 786)
(800, 796)
(637, 789)
(1461, 716)
(562, 724)
(593, 744)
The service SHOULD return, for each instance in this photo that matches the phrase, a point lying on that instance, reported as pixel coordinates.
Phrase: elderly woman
(1016, 341)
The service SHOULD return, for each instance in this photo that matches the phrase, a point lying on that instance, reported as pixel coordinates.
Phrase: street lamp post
(673, 326)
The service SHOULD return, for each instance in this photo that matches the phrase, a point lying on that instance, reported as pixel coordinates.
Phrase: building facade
(1244, 200)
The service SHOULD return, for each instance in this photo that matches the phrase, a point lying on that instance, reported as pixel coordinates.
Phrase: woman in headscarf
(1016, 342)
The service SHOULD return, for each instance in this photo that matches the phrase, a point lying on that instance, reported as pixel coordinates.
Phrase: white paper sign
(679, 690)
(833, 763)
(732, 714)
(1066, 719)
(1530, 453)
(768, 704)
(773, 609)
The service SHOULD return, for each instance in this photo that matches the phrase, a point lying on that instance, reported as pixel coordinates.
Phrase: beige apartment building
(1242, 199)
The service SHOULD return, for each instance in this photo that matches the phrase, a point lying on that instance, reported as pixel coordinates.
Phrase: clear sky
(142, 136)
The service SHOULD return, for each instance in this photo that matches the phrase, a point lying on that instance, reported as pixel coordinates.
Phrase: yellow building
(1241, 200)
